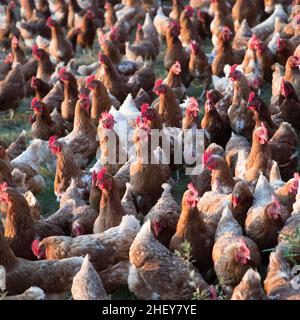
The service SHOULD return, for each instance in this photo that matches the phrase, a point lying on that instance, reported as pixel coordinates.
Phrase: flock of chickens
(236, 232)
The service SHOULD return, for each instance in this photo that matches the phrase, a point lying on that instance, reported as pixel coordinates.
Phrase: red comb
(192, 197)
(107, 120)
(62, 71)
(138, 121)
(252, 96)
(226, 29)
(158, 83)
(34, 101)
(175, 27)
(52, 139)
(101, 57)
(35, 247)
(3, 185)
(264, 127)
(144, 107)
(190, 10)
(233, 68)
(245, 247)
(206, 156)
(35, 48)
(101, 174)
(89, 79)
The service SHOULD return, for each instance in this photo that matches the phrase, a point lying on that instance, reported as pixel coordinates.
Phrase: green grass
(11, 128)
(47, 198)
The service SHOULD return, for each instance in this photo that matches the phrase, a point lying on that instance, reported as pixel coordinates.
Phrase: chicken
(131, 13)
(82, 139)
(221, 178)
(188, 32)
(222, 18)
(261, 113)
(112, 152)
(87, 284)
(141, 48)
(225, 54)
(283, 146)
(165, 215)
(174, 81)
(70, 94)
(265, 28)
(40, 87)
(175, 51)
(249, 288)
(22, 274)
(6, 65)
(87, 30)
(150, 32)
(55, 97)
(45, 67)
(278, 74)
(105, 249)
(241, 38)
(265, 218)
(44, 126)
(244, 10)
(9, 26)
(20, 228)
(144, 187)
(161, 22)
(12, 89)
(240, 117)
(111, 78)
(284, 50)
(100, 99)
(168, 107)
(67, 167)
(233, 146)
(111, 209)
(199, 67)
(109, 16)
(142, 79)
(202, 23)
(279, 283)
(292, 73)
(177, 8)
(17, 147)
(259, 159)
(151, 261)
(290, 105)
(33, 293)
(233, 254)
(60, 47)
(192, 228)
(217, 130)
